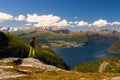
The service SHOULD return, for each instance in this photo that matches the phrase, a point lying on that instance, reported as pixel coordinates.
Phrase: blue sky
(72, 14)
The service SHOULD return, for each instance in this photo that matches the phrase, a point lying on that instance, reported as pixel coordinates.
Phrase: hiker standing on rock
(32, 44)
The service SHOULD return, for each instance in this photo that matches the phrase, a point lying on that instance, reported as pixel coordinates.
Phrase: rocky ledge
(25, 62)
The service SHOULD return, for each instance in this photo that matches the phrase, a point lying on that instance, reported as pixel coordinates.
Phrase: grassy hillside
(113, 67)
(12, 46)
(115, 47)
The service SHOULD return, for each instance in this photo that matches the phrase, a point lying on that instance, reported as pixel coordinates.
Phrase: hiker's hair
(33, 37)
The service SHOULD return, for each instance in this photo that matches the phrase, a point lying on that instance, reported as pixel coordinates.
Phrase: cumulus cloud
(97, 23)
(100, 23)
(20, 18)
(46, 20)
(62, 23)
(81, 23)
(42, 24)
(115, 23)
(43, 18)
(5, 16)
(71, 22)
(51, 20)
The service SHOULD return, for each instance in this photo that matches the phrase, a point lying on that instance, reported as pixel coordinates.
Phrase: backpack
(18, 61)
(32, 43)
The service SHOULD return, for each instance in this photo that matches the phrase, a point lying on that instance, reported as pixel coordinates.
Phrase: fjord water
(76, 55)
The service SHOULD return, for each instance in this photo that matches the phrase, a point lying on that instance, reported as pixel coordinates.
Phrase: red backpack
(32, 43)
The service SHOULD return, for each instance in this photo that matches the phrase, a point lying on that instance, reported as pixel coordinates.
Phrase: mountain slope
(71, 39)
(115, 47)
(14, 47)
(111, 64)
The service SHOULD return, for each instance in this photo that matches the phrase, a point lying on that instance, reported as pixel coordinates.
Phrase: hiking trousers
(32, 52)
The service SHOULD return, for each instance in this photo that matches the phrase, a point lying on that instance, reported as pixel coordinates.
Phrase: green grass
(53, 75)
(50, 57)
(113, 67)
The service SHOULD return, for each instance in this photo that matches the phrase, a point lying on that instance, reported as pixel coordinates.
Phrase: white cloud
(71, 22)
(50, 20)
(43, 18)
(33, 18)
(100, 23)
(62, 23)
(42, 24)
(76, 22)
(20, 18)
(81, 23)
(89, 25)
(46, 20)
(115, 23)
(5, 16)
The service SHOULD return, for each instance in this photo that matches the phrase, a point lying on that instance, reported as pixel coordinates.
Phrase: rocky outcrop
(26, 62)
(6, 60)
(5, 75)
(29, 62)
(32, 62)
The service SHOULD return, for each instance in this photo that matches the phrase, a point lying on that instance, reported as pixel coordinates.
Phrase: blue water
(76, 55)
